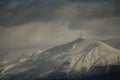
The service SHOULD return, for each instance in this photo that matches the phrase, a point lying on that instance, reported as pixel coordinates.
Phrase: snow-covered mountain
(81, 57)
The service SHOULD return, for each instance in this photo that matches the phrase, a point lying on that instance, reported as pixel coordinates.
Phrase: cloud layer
(43, 35)
(47, 23)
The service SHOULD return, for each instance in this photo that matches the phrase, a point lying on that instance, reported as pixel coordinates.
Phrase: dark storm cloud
(17, 12)
(95, 0)
(95, 11)
(20, 12)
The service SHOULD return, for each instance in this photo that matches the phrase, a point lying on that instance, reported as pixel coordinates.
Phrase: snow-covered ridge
(71, 58)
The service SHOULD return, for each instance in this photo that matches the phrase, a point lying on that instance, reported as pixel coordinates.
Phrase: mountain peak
(80, 56)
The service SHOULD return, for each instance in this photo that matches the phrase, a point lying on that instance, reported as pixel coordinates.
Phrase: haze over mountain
(113, 42)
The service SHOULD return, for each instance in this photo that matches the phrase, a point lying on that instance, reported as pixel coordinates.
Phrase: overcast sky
(47, 23)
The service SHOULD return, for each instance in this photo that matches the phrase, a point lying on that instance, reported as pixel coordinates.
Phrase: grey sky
(47, 23)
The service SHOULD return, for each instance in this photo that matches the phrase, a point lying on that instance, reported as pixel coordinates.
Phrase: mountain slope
(113, 42)
(81, 57)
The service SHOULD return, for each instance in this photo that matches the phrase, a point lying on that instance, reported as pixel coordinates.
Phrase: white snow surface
(73, 56)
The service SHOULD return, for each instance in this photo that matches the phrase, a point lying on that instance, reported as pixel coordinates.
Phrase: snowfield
(81, 57)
